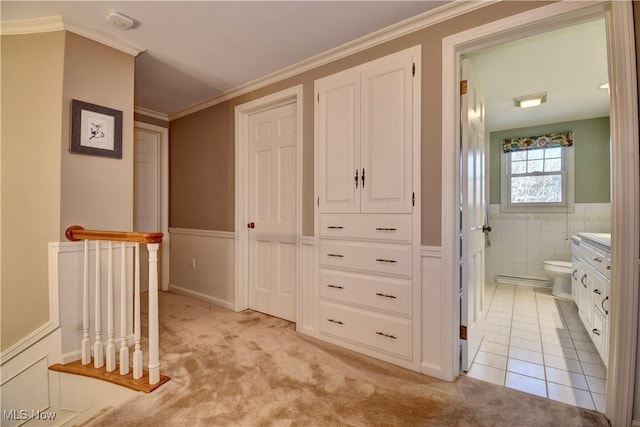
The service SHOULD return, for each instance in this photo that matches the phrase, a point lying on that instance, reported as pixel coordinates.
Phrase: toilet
(560, 274)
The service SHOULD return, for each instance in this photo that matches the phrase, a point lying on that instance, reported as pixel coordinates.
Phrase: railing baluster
(98, 348)
(86, 341)
(128, 362)
(154, 347)
(124, 350)
(110, 348)
(137, 353)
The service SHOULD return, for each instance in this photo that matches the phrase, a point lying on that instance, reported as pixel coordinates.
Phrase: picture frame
(95, 130)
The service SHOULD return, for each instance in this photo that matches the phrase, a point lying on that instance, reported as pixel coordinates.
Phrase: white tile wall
(520, 242)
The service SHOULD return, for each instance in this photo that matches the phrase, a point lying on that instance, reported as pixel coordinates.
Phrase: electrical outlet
(193, 263)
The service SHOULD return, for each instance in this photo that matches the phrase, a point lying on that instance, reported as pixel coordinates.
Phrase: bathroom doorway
(539, 195)
(624, 132)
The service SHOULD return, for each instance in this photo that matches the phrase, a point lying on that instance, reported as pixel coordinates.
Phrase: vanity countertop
(598, 239)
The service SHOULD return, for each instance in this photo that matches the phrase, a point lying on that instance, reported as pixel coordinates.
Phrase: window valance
(562, 139)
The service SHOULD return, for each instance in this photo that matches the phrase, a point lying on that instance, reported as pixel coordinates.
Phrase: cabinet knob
(595, 331)
(251, 225)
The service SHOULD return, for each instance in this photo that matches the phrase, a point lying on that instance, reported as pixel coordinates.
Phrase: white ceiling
(569, 64)
(195, 50)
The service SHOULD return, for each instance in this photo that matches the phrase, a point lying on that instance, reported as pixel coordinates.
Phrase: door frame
(625, 177)
(163, 196)
(292, 95)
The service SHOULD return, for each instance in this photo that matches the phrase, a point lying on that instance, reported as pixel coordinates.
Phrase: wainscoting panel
(433, 311)
(202, 265)
(25, 380)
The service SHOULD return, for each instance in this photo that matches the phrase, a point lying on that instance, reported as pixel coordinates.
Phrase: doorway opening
(538, 196)
(624, 155)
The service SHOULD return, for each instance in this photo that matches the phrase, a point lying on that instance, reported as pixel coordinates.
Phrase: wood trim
(76, 232)
(142, 384)
(202, 233)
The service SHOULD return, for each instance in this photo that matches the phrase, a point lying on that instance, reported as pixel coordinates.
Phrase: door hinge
(413, 199)
(463, 332)
(413, 69)
(318, 201)
(318, 96)
(463, 87)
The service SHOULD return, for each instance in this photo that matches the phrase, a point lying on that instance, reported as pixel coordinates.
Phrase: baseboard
(27, 341)
(433, 371)
(213, 300)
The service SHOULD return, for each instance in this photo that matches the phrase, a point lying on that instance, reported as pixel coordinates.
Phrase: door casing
(625, 178)
(242, 113)
(163, 198)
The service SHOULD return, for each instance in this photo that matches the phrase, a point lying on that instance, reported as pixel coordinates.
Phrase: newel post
(154, 357)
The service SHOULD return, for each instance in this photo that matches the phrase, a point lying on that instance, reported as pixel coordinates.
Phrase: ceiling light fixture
(120, 20)
(527, 101)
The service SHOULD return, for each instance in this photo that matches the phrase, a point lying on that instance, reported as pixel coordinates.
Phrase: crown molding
(408, 26)
(57, 23)
(32, 26)
(151, 113)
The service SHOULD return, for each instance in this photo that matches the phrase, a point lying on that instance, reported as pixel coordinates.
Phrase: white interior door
(146, 212)
(472, 309)
(272, 211)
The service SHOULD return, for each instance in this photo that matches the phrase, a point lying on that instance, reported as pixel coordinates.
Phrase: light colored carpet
(250, 369)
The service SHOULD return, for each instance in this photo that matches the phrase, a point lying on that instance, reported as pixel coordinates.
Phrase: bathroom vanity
(591, 284)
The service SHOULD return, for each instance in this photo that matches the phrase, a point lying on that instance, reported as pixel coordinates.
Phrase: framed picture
(95, 130)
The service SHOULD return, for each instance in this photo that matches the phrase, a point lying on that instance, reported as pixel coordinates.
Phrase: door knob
(486, 228)
(251, 225)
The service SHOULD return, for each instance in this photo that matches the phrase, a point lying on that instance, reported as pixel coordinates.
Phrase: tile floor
(536, 343)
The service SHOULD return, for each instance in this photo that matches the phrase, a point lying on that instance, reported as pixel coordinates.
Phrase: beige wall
(44, 187)
(32, 76)
(97, 192)
(202, 179)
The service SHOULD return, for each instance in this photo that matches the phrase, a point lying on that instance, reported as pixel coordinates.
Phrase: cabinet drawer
(380, 293)
(599, 334)
(385, 228)
(384, 333)
(393, 260)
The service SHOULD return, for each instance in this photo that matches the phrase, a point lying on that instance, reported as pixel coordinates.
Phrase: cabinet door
(387, 113)
(338, 138)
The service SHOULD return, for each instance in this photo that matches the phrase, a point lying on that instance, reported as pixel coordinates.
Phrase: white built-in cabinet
(367, 226)
(591, 286)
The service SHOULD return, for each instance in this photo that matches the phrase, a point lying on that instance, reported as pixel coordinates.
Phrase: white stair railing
(108, 350)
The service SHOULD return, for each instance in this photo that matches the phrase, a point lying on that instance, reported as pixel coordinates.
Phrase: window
(537, 176)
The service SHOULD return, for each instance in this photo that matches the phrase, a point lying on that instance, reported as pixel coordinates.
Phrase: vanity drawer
(385, 228)
(383, 333)
(393, 295)
(392, 260)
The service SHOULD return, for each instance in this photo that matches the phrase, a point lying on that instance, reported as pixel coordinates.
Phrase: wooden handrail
(75, 233)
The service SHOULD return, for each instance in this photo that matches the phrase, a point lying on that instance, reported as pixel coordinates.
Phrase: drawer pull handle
(595, 331)
(386, 260)
(382, 334)
(335, 227)
(597, 259)
(575, 274)
(335, 286)
(602, 305)
(385, 229)
(336, 255)
(385, 295)
(597, 291)
(582, 279)
(337, 322)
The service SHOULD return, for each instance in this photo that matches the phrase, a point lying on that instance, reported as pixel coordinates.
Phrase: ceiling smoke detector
(119, 20)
